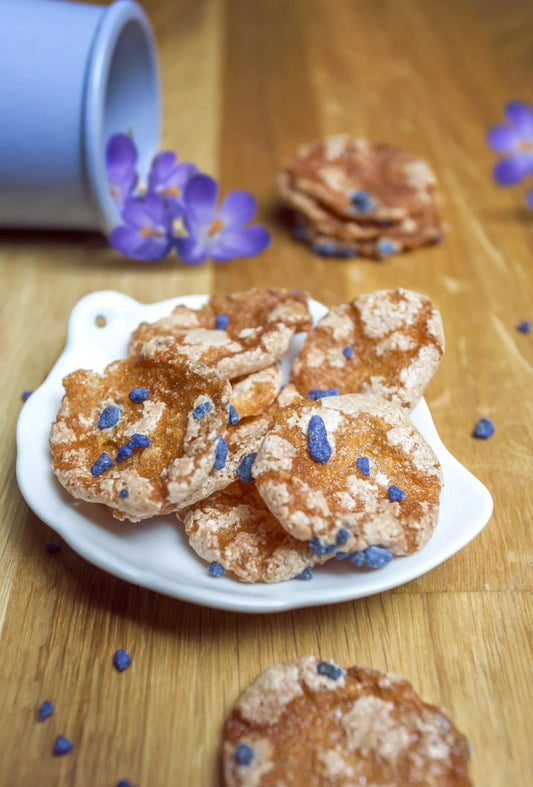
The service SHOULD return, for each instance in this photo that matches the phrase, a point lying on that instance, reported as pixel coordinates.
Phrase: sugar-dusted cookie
(313, 723)
(388, 342)
(350, 470)
(141, 436)
(251, 393)
(236, 529)
(234, 334)
(362, 180)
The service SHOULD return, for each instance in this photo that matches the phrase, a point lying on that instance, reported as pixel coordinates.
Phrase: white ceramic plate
(155, 554)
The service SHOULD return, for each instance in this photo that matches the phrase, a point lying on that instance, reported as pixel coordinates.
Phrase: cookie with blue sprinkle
(308, 472)
(140, 455)
(311, 722)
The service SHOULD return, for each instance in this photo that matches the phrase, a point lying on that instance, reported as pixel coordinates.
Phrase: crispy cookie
(234, 334)
(253, 392)
(387, 342)
(312, 723)
(141, 436)
(350, 470)
(235, 528)
(356, 178)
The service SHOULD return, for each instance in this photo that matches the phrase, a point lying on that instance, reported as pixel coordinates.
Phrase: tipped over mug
(71, 75)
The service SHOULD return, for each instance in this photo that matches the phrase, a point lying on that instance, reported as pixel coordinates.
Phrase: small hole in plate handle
(100, 321)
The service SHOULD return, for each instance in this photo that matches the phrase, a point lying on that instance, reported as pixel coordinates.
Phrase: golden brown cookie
(359, 179)
(236, 529)
(310, 722)
(251, 393)
(141, 436)
(234, 334)
(351, 471)
(387, 342)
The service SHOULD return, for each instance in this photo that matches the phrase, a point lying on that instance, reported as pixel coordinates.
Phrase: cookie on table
(234, 334)
(362, 180)
(235, 528)
(351, 471)
(387, 342)
(141, 436)
(313, 723)
(379, 243)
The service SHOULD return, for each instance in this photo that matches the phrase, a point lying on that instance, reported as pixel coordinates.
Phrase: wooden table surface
(243, 84)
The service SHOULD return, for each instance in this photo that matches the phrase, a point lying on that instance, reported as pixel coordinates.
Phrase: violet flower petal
(520, 116)
(503, 139)
(512, 170)
(168, 178)
(200, 199)
(191, 250)
(147, 211)
(239, 243)
(238, 208)
(130, 242)
(121, 161)
(529, 198)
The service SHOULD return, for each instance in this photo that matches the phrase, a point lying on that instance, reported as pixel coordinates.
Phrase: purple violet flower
(147, 230)
(516, 140)
(218, 233)
(121, 162)
(168, 179)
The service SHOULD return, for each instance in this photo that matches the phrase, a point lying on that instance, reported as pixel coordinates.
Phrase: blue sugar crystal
(395, 493)
(221, 453)
(361, 202)
(201, 409)
(138, 395)
(320, 393)
(484, 428)
(244, 470)
(45, 711)
(221, 321)
(62, 745)
(306, 574)
(109, 417)
(317, 439)
(363, 464)
(121, 659)
(104, 462)
(244, 754)
(215, 569)
(342, 537)
(233, 415)
(377, 557)
(330, 670)
(347, 352)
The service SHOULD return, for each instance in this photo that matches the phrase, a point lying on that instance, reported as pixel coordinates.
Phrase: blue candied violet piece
(396, 494)
(363, 464)
(62, 745)
(123, 452)
(358, 557)
(53, 547)
(361, 202)
(45, 710)
(222, 321)
(524, 326)
(483, 429)
(342, 555)
(138, 395)
(342, 537)
(233, 415)
(347, 352)
(201, 409)
(386, 247)
(330, 670)
(124, 783)
(109, 417)
(244, 469)
(104, 462)
(305, 575)
(244, 754)
(215, 569)
(321, 393)
(124, 493)
(317, 439)
(25, 395)
(318, 546)
(326, 249)
(377, 557)
(139, 441)
(221, 453)
(121, 659)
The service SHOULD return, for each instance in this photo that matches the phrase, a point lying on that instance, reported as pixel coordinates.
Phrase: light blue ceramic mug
(71, 75)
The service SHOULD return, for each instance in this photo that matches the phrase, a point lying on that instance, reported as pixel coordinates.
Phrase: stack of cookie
(352, 197)
(268, 481)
